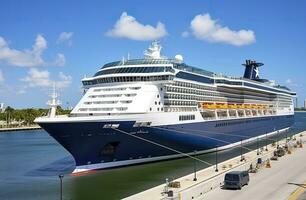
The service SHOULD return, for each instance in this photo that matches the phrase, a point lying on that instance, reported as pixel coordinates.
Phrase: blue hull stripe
(90, 143)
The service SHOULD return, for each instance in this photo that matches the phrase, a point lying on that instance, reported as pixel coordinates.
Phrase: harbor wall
(23, 128)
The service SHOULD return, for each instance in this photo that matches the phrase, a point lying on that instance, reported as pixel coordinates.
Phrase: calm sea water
(30, 162)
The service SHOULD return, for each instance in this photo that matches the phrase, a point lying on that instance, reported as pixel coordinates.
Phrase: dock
(22, 128)
(274, 179)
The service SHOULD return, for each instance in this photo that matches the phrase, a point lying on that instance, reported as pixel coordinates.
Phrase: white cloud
(1, 77)
(291, 83)
(65, 37)
(64, 82)
(36, 78)
(128, 27)
(60, 60)
(205, 28)
(27, 57)
(185, 34)
(21, 91)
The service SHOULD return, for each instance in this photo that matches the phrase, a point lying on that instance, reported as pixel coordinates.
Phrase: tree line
(19, 117)
(300, 109)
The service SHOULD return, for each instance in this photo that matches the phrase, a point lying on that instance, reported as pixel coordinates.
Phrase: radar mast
(53, 103)
(153, 52)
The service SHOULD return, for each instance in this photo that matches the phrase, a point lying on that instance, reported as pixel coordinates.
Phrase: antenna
(153, 52)
(123, 60)
(53, 103)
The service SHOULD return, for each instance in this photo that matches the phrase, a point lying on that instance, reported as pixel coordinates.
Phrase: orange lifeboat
(207, 105)
(248, 106)
(239, 106)
(231, 106)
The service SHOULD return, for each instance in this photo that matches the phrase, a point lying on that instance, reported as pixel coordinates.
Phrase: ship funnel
(252, 69)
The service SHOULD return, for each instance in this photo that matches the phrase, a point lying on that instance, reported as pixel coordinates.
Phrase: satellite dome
(179, 58)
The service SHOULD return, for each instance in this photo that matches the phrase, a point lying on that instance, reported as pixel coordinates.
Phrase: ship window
(126, 101)
(134, 70)
(135, 88)
(129, 79)
(186, 117)
(131, 95)
(122, 108)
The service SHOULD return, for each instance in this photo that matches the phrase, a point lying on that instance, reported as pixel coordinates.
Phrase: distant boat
(156, 108)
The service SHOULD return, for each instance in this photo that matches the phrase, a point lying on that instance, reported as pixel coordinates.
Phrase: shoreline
(208, 179)
(22, 128)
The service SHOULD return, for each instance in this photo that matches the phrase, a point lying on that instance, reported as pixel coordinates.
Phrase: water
(30, 162)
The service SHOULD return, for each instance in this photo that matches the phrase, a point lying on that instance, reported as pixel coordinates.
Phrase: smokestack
(252, 69)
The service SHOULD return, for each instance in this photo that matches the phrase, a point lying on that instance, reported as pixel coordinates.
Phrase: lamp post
(266, 141)
(257, 146)
(195, 167)
(61, 176)
(277, 139)
(216, 159)
(241, 157)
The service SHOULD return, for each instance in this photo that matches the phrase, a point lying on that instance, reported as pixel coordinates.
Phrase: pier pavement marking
(294, 195)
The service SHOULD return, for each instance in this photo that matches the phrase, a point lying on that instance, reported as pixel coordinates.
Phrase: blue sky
(42, 42)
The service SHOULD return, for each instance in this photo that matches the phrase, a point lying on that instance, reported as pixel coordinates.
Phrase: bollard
(268, 165)
(166, 186)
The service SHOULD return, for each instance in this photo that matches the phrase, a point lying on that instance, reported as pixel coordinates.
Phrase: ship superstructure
(167, 102)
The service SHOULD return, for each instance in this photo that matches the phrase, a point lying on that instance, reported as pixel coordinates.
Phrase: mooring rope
(163, 146)
(224, 141)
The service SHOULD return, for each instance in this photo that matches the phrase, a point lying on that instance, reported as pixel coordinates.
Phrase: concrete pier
(277, 182)
(22, 128)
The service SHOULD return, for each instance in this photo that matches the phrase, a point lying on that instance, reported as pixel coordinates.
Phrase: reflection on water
(30, 162)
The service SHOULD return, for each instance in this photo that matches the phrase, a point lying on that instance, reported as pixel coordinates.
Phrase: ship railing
(56, 116)
(222, 117)
(209, 118)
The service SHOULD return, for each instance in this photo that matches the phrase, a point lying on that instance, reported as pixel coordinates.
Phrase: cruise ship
(144, 110)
